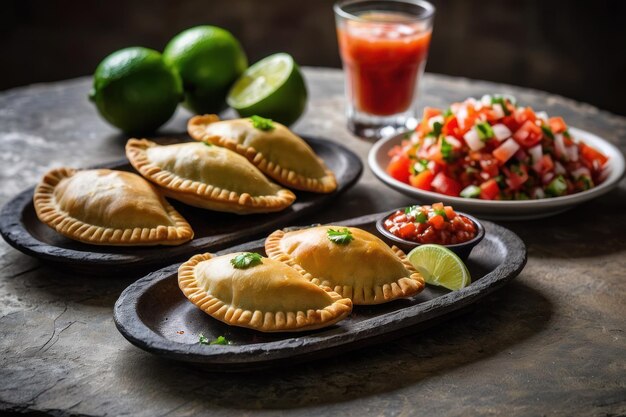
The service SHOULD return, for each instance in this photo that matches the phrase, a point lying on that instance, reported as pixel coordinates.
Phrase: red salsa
(436, 224)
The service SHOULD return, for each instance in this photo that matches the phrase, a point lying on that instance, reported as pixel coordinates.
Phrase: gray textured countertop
(551, 343)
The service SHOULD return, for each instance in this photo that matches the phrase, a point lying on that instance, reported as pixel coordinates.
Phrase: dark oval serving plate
(21, 228)
(154, 315)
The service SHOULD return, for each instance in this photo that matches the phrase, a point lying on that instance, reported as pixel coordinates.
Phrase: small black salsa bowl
(462, 250)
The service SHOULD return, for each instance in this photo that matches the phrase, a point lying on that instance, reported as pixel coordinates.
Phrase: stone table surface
(550, 343)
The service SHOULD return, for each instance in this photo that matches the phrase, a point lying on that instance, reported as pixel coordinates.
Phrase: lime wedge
(271, 88)
(440, 266)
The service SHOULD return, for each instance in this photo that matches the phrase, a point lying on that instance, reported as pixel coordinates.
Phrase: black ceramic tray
(21, 228)
(154, 315)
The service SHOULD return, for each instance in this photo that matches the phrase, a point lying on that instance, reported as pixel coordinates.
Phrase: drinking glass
(383, 46)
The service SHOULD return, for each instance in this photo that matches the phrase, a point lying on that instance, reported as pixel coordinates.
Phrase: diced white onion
(581, 172)
(538, 193)
(559, 146)
(500, 131)
(498, 110)
(572, 153)
(536, 153)
(454, 107)
(461, 116)
(473, 140)
(435, 119)
(542, 115)
(428, 142)
(471, 100)
(510, 147)
(456, 144)
(559, 169)
(486, 100)
(547, 177)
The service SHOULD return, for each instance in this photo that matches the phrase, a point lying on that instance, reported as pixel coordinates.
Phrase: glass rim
(427, 6)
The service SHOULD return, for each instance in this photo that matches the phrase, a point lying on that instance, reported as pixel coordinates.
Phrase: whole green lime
(209, 59)
(135, 90)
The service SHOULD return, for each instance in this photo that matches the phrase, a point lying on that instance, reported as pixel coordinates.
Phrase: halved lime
(440, 266)
(271, 88)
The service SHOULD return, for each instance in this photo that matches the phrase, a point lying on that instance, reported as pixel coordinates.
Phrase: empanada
(350, 261)
(105, 207)
(207, 176)
(247, 290)
(278, 152)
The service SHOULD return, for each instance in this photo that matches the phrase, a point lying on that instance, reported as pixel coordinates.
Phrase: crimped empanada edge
(49, 213)
(258, 320)
(400, 288)
(241, 203)
(196, 127)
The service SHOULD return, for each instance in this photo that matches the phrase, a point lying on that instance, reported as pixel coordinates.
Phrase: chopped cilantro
(484, 131)
(262, 123)
(471, 191)
(587, 182)
(557, 187)
(221, 340)
(207, 144)
(441, 212)
(447, 113)
(420, 166)
(437, 129)
(547, 131)
(421, 217)
(203, 340)
(340, 237)
(446, 150)
(502, 102)
(246, 260)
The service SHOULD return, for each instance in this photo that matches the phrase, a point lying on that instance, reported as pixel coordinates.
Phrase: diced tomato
(399, 167)
(590, 154)
(450, 214)
(510, 122)
(489, 114)
(557, 125)
(528, 135)
(430, 112)
(445, 185)
(489, 166)
(437, 206)
(438, 222)
(423, 180)
(516, 177)
(525, 115)
(489, 190)
(407, 230)
(451, 127)
(505, 151)
(546, 164)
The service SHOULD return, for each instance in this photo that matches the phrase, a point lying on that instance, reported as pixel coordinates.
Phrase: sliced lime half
(440, 266)
(273, 88)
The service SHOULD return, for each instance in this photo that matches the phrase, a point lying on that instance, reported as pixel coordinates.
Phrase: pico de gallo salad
(493, 149)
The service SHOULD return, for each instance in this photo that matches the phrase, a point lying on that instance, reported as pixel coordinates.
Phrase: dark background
(573, 48)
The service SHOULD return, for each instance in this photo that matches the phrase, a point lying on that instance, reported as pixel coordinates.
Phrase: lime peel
(440, 266)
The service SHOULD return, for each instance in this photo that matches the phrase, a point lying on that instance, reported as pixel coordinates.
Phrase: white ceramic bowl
(378, 160)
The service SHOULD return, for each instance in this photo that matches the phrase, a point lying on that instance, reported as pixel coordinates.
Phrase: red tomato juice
(382, 61)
